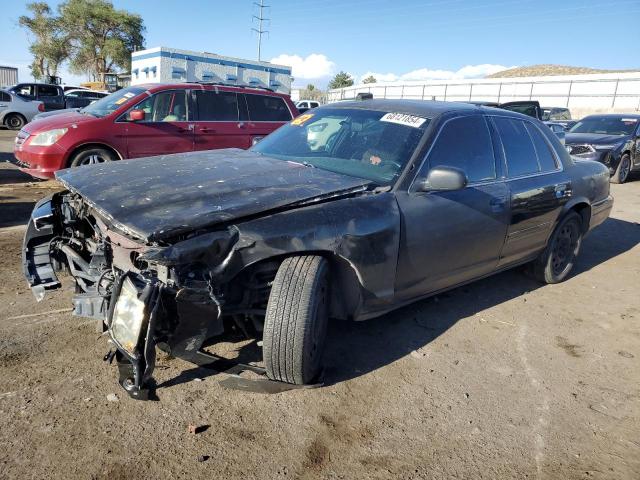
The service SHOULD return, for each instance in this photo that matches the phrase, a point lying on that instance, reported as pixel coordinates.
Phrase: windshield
(109, 104)
(360, 143)
(605, 125)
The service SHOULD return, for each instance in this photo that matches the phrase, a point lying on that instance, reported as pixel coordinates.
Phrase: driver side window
(165, 107)
(464, 143)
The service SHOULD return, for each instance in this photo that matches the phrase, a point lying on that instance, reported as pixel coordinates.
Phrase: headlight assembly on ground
(129, 317)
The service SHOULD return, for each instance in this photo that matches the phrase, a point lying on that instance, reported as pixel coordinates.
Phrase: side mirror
(136, 115)
(443, 179)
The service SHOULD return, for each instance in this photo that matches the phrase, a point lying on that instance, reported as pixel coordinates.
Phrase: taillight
(41, 107)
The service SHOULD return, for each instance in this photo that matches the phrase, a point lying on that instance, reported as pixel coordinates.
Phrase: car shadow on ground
(354, 349)
(9, 174)
(14, 213)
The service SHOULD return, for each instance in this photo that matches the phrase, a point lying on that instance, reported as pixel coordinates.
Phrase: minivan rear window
(263, 108)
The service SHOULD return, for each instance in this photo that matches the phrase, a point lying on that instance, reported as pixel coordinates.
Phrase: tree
(100, 38)
(370, 79)
(311, 87)
(49, 44)
(341, 80)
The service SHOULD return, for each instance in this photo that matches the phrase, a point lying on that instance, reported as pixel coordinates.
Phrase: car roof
(614, 115)
(421, 108)
(156, 87)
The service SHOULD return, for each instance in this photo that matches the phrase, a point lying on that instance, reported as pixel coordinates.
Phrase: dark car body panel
(206, 228)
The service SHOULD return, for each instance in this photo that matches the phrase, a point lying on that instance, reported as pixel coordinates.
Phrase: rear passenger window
(518, 147)
(217, 106)
(546, 160)
(267, 109)
(465, 143)
(47, 91)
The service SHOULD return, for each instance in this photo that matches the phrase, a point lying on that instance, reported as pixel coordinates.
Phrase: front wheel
(91, 156)
(621, 174)
(556, 261)
(296, 320)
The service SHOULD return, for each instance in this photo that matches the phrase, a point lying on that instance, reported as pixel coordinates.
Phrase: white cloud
(315, 67)
(468, 71)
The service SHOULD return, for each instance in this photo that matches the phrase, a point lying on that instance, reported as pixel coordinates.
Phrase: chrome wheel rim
(92, 159)
(14, 122)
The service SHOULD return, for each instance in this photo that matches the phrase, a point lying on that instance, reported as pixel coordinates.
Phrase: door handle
(562, 190)
(207, 130)
(497, 204)
(241, 125)
(189, 128)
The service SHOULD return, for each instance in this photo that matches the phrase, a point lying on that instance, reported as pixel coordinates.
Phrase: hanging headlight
(129, 317)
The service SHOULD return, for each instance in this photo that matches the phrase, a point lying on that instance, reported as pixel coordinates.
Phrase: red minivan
(146, 120)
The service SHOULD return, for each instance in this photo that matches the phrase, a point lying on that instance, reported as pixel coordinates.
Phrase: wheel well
(346, 286)
(8, 115)
(584, 210)
(87, 146)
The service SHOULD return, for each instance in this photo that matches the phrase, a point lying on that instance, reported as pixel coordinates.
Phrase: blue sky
(406, 39)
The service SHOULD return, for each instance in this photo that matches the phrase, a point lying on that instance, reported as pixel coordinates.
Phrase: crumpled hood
(594, 139)
(157, 197)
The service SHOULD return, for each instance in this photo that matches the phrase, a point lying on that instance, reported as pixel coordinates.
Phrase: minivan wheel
(296, 320)
(621, 174)
(91, 156)
(556, 261)
(15, 121)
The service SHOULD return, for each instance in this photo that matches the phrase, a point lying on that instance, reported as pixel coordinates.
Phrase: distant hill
(547, 69)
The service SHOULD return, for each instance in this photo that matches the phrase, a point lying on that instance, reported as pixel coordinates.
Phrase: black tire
(15, 121)
(295, 325)
(90, 156)
(621, 174)
(556, 261)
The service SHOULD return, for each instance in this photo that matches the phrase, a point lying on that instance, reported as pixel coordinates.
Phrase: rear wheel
(15, 121)
(556, 261)
(296, 320)
(621, 174)
(91, 156)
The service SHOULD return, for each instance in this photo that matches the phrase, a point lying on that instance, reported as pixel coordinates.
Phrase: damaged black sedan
(347, 212)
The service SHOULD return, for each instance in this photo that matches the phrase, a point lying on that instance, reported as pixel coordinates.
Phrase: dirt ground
(503, 378)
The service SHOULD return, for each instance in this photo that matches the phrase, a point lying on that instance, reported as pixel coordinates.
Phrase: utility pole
(260, 17)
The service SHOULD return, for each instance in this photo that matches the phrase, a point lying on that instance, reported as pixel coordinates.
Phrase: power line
(260, 17)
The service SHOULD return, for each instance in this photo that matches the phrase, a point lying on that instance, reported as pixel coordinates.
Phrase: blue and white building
(169, 65)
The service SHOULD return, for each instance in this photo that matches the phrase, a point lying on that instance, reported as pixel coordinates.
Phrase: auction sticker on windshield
(302, 119)
(403, 119)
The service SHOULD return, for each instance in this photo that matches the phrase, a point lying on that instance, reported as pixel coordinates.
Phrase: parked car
(555, 113)
(304, 105)
(531, 108)
(51, 95)
(82, 97)
(613, 140)
(68, 88)
(558, 129)
(16, 112)
(155, 119)
(405, 200)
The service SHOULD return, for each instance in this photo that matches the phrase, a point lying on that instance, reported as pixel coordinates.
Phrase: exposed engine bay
(144, 295)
